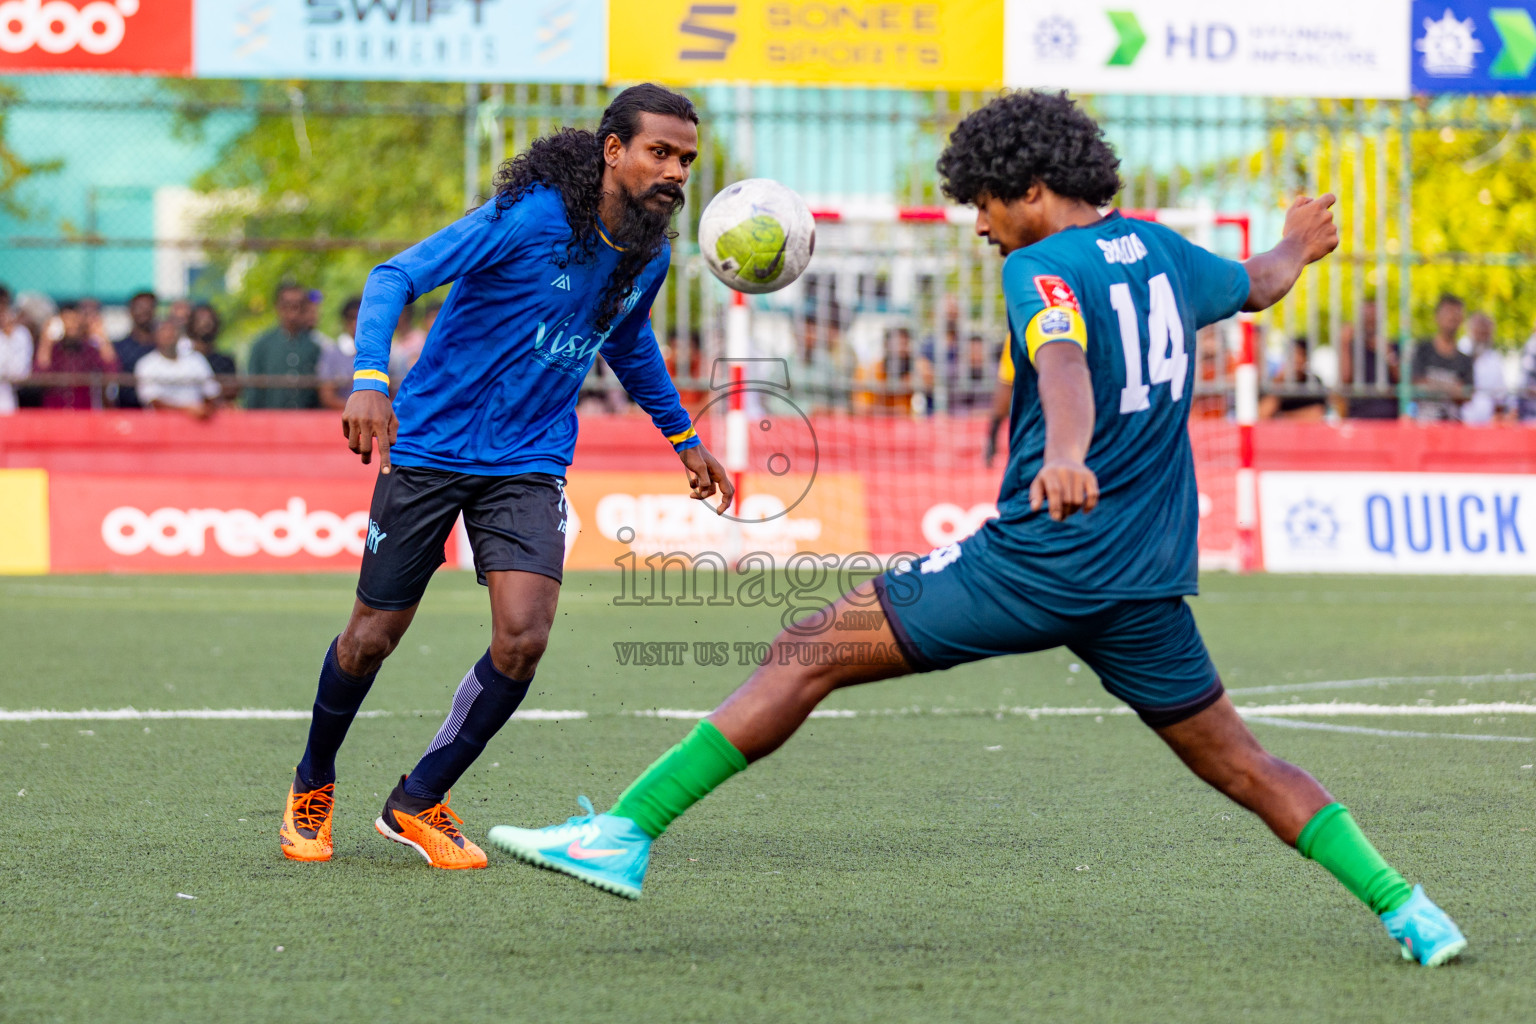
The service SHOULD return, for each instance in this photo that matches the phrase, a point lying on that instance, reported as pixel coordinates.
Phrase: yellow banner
(24, 511)
(945, 43)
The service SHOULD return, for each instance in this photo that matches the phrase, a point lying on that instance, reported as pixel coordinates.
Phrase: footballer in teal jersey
(1094, 546)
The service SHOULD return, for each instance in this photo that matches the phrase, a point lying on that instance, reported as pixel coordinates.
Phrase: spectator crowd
(1457, 374)
(167, 356)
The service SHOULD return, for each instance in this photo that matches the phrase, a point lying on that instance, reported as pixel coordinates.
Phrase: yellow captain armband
(1005, 365)
(683, 438)
(378, 375)
(1055, 323)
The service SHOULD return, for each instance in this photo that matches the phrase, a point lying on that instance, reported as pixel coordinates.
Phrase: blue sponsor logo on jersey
(375, 536)
(1055, 321)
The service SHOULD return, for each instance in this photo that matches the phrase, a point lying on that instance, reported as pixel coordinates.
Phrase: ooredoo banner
(148, 36)
(442, 40)
(200, 524)
(83, 522)
(1398, 522)
(1215, 47)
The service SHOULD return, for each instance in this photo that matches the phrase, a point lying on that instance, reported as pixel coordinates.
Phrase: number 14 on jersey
(1167, 361)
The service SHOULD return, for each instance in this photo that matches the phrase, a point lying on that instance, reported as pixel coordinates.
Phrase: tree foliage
(1472, 196)
(14, 171)
(376, 171)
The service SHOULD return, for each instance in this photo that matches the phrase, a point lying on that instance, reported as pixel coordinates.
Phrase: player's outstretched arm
(1065, 484)
(1308, 236)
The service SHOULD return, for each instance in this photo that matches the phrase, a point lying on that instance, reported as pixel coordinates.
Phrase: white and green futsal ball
(757, 236)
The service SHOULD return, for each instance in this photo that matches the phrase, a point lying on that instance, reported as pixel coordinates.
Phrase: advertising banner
(139, 36)
(944, 43)
(615, 514)
(1474, 46)
(205, 524)
(1464, 523)
(433, 40)
(1301, 48)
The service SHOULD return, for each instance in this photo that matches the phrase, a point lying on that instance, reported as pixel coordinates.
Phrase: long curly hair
(1027, 137)
(571, 162)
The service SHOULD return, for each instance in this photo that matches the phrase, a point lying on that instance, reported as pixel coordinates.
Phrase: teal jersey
(1133, 294)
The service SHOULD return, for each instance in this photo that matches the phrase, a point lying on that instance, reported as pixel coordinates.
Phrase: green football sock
(1334, 840)
(679, 779)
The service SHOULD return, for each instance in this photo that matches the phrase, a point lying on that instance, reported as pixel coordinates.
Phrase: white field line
(1265, 713)
(238, 714)
(1360, 684)
(1363, 731)
(1310, 710)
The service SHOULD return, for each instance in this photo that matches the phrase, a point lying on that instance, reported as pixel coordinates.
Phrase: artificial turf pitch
(974, 865)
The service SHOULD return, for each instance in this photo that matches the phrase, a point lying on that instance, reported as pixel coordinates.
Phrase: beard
(644, 223)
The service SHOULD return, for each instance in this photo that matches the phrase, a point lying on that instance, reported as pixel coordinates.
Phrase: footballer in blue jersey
(562, 263)
(1094, 544)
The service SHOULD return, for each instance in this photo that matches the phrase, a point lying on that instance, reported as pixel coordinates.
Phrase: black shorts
(514, 523)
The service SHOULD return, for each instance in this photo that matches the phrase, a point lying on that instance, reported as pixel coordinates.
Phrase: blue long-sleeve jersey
(494, 391)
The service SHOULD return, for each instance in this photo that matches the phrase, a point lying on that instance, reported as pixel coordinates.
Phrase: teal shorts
(959, 605)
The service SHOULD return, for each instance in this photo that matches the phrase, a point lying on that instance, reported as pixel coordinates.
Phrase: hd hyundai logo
(695, 24)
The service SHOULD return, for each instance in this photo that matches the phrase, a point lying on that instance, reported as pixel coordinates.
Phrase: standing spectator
(136, 344)
(1214, 369)
(335, 368)
(34, 311)
(180, 314)
(173, 378)
(312, 300)
(978, 371)
(15, 352)
(1369, 407)
(69, 352)
(203, 328)
(1441, 372)
(819, 371)
(286, 350)
(1490, 391)
(888, 381)
(1527, 405)
(937, 364)
(96, 331)
(1306, 399)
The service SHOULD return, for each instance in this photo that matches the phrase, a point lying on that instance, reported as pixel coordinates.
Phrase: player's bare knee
(516, 652)
(363, 646)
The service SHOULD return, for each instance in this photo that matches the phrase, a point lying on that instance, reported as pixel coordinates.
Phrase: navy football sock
(336, 703)
(484, 701)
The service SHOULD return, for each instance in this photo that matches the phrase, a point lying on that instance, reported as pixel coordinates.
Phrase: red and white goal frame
(1229, 495)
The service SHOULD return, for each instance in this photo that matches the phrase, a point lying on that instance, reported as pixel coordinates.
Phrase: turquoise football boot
(1426, 932)
(600, 849)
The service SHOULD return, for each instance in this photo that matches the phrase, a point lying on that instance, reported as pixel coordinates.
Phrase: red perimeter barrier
(279, 491)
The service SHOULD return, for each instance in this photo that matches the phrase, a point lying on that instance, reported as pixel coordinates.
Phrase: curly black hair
(571, 162)
(1027, 137)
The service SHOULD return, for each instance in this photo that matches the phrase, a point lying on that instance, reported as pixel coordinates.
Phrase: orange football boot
(429, 829)
(306, 831)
